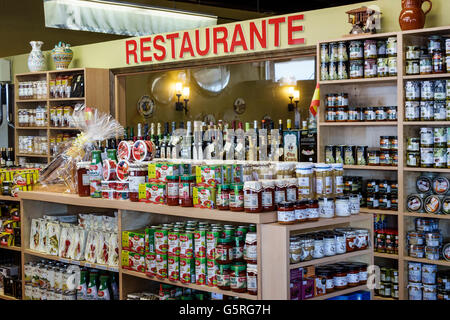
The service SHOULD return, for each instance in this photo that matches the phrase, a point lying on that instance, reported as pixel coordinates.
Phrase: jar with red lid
(286, 213)
(223, 276)
(291, 189)
(238, 277)
(224, 251)
(252, 196)
(172, 190)
(137, 176)
(185, 190)
(252, 278)
(352, 275)
(268, 195)
(312, 208)
(340, 278)
(83, 182)
(237, 197)
(223, 197)
(301, 213)
(280, 191)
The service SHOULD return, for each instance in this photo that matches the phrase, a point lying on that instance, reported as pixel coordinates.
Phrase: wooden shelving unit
(386, 92)
(4, 297)
(12, 248)
(96, 94)
(341, 292)
(385, 255)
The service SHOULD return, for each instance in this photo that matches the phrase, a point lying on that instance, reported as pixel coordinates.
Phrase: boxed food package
(134, 241)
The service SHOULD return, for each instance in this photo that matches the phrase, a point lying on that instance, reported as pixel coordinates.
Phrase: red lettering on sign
(262, 38)
(131, 51)
(160, 48)
(197, 42)
(292, 29)
(172, 37)
(276, 22)
(222, 40)
(145, 48)
(186, 45)
(241, 42)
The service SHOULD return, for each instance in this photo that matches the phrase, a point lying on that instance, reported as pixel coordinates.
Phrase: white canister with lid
(326, 208)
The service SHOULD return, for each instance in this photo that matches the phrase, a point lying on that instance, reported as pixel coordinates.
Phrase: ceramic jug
(412, 16)
(36, 59)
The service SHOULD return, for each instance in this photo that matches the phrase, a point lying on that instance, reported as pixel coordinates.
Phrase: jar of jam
(329, 244)
(238, 278)
(83, 182)
(280, 191)
(237, 197)
(374, 157)
(223, 276)
(370, 114)
(172, 190)
(312, 209)
(340, 242)
(250, 247)
(330, 114)
(238, 248)
(352, 275)
(362, 272)
(340, 277)
(268, 195)
(137, 175)
(341, 114)
(301, 214)
(252, 197)
(223, 197)
(286, 213)
(185, 190)
(328, 275)
(252, 278)
(224, 251)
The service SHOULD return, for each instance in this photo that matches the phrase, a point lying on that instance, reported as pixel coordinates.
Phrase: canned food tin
(432, 204)
(414, 203)
(446, 205)
(440, 185)
(423, 184)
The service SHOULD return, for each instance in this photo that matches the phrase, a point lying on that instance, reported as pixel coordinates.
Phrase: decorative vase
(62, 55)
(412, 16)
(36, 60)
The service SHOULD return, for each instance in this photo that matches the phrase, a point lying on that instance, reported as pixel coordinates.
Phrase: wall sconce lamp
(293, 94)
(296, 98)
(184, 92)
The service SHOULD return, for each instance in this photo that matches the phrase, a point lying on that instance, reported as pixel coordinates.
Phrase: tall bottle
(158, 141)
(9, 158)
(114, 287)
(92, 293)
(131, 136)
(163, 147)
(290, 143)
(96, 174)
(139, 132)
(103, 288)
(170, 145)
(82, 286)
(186, 143)
(281, 141)
(3, 157)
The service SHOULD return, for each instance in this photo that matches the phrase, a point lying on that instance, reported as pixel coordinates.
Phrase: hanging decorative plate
(146, 106)
(239, 106)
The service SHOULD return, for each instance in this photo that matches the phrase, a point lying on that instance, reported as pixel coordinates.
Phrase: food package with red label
(103, 247)
(133, 241)
(204, 197)
(156, 193)
(150, 264)
(54, 233)
(113, 250)
(133, 261)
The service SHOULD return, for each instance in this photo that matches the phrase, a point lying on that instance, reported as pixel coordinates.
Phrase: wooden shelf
(324, 222)
(66, 99)
(32, 128)
(359, 124)
(382, 168)
(351, 37)
(378, 211)
(383, 298)
(70, 261)
(4, 297)
(196, 213)
(190, 285)
(9, 198)
(64, 128)
(326, 260)
(31, 155)
(13, 248)
(31, 100)
(427, 76)
(73, 70)
(359, 81)
(385, 255)
(341, 292)
(426, 123)
(426, 215)
(411, 169)
(444, 263)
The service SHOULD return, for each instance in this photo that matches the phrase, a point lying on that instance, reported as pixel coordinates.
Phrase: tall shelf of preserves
(385, 91)
(94, 93)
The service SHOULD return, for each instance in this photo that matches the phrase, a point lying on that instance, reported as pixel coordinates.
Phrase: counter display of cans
(386, 155)
(430, 150)
(327, 243)
(426, 241)
(388, 285)
(15, 180)
(214, 255)
(358, 59)
(427, 100)
(170, 292)
(432, 196)
(51, 280)
(427, 283)
(385, 238)
(431, 59)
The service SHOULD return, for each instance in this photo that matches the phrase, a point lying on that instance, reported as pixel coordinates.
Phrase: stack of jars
(368, 59)
(32, 90)
(430, 150)
(426, 241)
(61, 116)
(33, 145)
(428, 60)
(432, 195)
(427, 100)
(388, 286)
(382, 194)
(422, 281)
(327, 243)
(33, 117)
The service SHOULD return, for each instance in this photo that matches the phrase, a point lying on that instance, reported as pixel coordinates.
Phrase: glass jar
(412, 110)
(223, 197)
(295, 250)
(350, 239)
(238, 278)
(356, 69)
(362, 239)
(280, 191)
(286, 213)
(291, 189)
(252, 197)
(340, 242)
(383, 67)
(385, 143)
(341, 114)
(370, 49)
(237, 197)
(340, 277)
(392, 113)
(440, 111)
(329, 244)
(392, 62)
(223, 276)
(305, 180)
(324, 180)
(370, 114)
(370, 68)
(412, 159)
(342, 206)
(252, 278)
(412, 67)
(172, 190)
(224, 251)
(381, 114)
(354, 201)
(438, 62)
(83, 182)
(338, 179)
(301, 213)
(391, 46)
(356, 50)
(186, 187)
(374, 157)
(331, 114)
(312, 208)
(352, 275)
(319, 246)
(268, 195)
(327, 274)
(363, 275)
(412, 90)
(326, 208)
(426, 64)
(412, 52)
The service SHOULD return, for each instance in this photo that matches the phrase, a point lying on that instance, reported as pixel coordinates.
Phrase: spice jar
(237, 197)
(223, 197)
(268, 195)
(252, 278)
(223, 276)
(286, 213)
(312, 209)
(340, 277)
(252, 197)
(83, 182)
(223, 252)
(301, 213)
(326, 208)
(238, 277)
(280, 191)
(305, 180)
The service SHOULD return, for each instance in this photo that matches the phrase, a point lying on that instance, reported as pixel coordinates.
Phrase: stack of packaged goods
(432, 195)
(10, 235)
(15, 180)
(427, 283)
(385, 237)
(93, 239)
(388, 285)
(195, 252)
(10, 277)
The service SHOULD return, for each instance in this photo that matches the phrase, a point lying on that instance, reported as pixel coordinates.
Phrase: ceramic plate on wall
(213, 79)
(146, 106)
